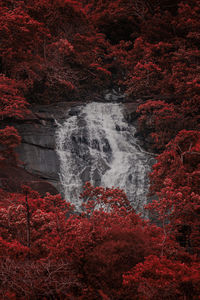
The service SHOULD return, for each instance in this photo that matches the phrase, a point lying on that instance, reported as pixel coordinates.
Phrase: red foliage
(106, 199)
(162, 277)
(160, 120)
(67, 255)
(32, 228)
(49, 47)
(9, 139)
(94, 248)
(60, 50)
(12, 103)
(21, 37)
(164, 63)
(180, 162)
(175, 179)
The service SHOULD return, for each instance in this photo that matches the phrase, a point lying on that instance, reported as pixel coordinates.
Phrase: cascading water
(99, 146)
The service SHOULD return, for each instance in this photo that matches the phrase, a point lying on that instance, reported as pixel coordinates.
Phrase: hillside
(55, 56)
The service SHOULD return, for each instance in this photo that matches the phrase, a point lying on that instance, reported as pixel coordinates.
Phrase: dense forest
(61, 50)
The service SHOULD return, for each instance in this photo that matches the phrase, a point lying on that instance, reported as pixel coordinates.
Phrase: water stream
(98, 145)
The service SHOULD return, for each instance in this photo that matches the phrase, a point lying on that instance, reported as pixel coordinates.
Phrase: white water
(98, 145)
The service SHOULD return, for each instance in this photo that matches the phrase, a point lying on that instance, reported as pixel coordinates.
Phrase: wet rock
(118, 128)
(40, 161)
(37, 150)
(74, 111)
(114, 96)
(85, 175)
(95, 144)
(96, 177)
(38, 135)
(103, 166)
(106, 146)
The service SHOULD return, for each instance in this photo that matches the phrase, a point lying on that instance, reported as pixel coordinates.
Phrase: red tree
(175, 179)
(162, 277)
(12, 105)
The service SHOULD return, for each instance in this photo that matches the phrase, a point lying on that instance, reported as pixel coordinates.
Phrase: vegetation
(62, 50)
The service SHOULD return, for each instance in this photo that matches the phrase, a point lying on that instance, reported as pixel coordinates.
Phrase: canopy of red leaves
(62, 50)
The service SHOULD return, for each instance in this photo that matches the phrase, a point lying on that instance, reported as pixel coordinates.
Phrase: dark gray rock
(40, 161)
(114, 95)
(38, 135)
(74, 111)
(96, 177)
(37, 150)
(85, 175)
(130, 112)
(106, 146)
(102, 165)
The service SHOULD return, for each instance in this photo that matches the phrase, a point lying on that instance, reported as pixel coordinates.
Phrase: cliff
(39, 163)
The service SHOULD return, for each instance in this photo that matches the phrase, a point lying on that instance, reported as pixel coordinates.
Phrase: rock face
(37, 150)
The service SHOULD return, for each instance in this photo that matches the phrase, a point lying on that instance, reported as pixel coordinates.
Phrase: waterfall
(97, 145)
